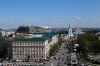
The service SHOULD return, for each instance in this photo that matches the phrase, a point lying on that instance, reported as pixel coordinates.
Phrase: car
(54, 57)
(58, 65)
(12, 60)
(58, 62)
(59, 58)
(62, 53)
(68, 63)
(64, 62)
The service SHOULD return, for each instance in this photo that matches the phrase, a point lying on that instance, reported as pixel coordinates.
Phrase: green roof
(43, 38)
(43, 33)
(30, 39)
(49, 35)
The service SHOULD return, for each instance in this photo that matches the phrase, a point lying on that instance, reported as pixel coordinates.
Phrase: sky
(53, 13)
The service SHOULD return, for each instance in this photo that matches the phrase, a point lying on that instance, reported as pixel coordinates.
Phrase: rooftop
(32, 36)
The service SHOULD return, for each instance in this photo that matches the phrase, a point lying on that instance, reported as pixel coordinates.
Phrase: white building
(30, 46)
(70, 33)
(6, 32)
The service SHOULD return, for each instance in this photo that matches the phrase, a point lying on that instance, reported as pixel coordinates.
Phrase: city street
(62, 53)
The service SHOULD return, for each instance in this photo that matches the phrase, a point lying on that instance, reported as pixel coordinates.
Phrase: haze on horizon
(53, 13)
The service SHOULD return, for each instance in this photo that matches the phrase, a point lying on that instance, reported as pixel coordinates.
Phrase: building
(6, 32)
(70, 33)
(30, 45)
(78, 31)
(32, 29)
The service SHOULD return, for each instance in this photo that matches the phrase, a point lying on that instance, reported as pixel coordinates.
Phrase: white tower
(70, 34)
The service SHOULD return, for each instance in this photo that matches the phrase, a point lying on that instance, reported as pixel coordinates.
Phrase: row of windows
(28, 44)
(30, 56)
(28, 49)
(27, 52)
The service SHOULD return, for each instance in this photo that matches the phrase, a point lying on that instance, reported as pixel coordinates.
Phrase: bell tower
(70, 33)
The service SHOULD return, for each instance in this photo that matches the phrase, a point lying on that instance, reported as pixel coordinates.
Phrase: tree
(2, 50)
(88, 43)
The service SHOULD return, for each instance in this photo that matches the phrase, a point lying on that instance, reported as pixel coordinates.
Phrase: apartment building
(32, 46)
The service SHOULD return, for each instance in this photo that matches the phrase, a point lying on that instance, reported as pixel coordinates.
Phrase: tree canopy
(2, 49)
(88, 42)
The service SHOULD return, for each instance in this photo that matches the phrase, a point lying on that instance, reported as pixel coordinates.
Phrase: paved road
(63, 50)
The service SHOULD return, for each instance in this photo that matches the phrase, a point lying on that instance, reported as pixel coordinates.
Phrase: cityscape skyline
(53, 13)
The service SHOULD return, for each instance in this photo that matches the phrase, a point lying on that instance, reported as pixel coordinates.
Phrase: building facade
(32, 29)
(70, 33)
(32, 48)
(6, 32)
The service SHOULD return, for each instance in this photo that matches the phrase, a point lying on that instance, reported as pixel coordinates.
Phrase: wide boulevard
(62, 52)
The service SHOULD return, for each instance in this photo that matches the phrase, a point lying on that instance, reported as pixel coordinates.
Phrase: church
(75, 33)
(70, 33)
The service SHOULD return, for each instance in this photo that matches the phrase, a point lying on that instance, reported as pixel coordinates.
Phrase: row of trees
(55, 47)
(88, 42)
(2, 51)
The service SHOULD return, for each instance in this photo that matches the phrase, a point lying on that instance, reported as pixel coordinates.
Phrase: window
(13, 48)
(30, 48)
(38, 52)
(41, 52)
(30, 52)
(33, 52)
(30, 43)
(24, 52)
(36, 56)
(35, 44)
(19, 52)
(13, 44)
(13, 52)
(42, 56)
(42, 48)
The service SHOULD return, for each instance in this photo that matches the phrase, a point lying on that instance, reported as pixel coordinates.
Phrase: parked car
(13, 60)
(59, 58)
(64, 62)
(58, 62)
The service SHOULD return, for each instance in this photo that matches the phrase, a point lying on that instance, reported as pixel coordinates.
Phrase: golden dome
(77, 28)
(70, 26)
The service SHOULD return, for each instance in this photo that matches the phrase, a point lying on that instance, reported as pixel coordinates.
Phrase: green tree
(2, 50)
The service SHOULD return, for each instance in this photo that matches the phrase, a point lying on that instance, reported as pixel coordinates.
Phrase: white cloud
(19, 19)
(61, 20)
(76, 17)
(87, 16)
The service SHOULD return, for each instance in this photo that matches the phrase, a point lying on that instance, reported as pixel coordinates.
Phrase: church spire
(70, 26)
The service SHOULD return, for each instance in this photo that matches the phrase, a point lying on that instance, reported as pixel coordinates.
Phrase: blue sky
(53, 13)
